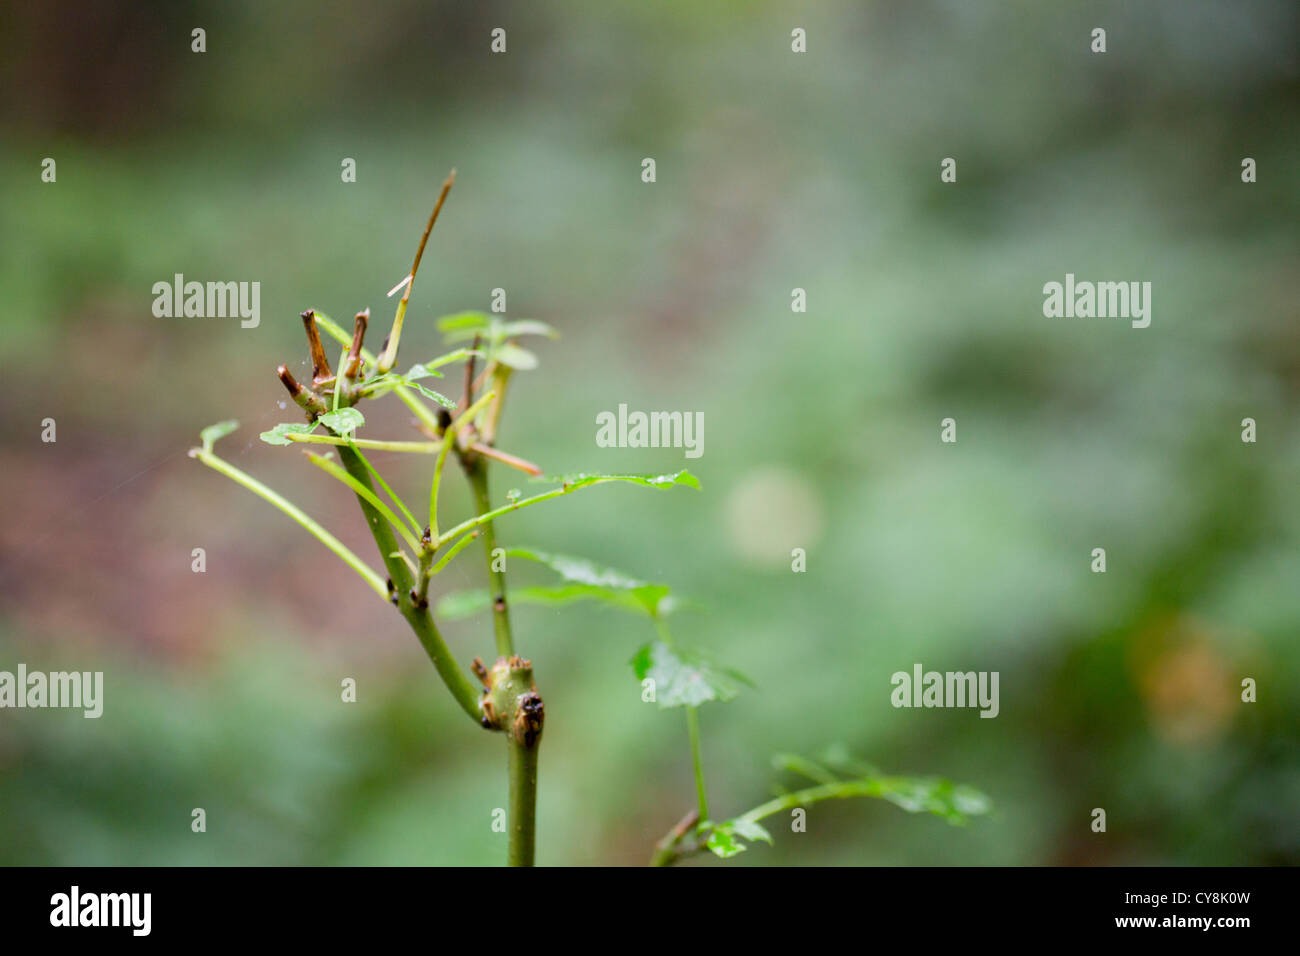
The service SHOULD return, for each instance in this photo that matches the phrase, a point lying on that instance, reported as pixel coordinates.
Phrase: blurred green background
(775, 171)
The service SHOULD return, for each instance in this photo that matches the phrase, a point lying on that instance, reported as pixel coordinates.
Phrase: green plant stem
(522, 764)
(841, 789)
(363, 491)
(666, 850)
(416, 614)
(673, 848)
(487, 517)
(478, 481)
(392, 495)
(451, 552)
(566, 489)
(523, 801)
(296, 513)
(693, 729)
(418, 447)
(448, 442)
(389, 356)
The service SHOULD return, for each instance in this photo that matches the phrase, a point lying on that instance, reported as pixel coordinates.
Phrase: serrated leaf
(590, 581)
(429, 393)
(461, 604)
(214, 433)
(722, 841)
(279, 434)
(345, 421)
(954, 802)
(383, 384)
(725, 838)
(578, 570)
(685, 678)
(515, 357)
(580, 479)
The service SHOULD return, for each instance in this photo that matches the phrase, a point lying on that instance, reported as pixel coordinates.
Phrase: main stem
(522, 761)
(523, 801)
(415, 612)
(478, 480)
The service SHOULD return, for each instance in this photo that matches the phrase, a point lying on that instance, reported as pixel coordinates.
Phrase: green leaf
(466, 603)
(591, 580)
(793, 763)
(528, 327)
(580, 479)
(685, 678)
(429, 393)
(460, 321)
(461, 604)
(725, 838)
(751, 830)
(279, 434)
(956, 803)
(383, 384)
(466, 325)
(722, 841)
(458, 605)
(517, 358)
(345, 421)
(214, 433)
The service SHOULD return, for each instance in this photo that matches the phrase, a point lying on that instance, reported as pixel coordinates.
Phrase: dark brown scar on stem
(530, 713)
(289, 381)
(353, 364)
(303, 397)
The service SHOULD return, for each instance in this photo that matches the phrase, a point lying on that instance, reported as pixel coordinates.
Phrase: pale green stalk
(418, 447)
(335, 471)
(448, 440)
(296, 513)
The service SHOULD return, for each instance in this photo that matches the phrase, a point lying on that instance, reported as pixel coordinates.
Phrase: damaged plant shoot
(416, 541)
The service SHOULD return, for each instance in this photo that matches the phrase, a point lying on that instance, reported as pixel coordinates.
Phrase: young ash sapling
(413, 553)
